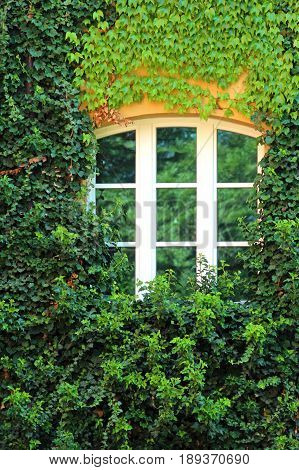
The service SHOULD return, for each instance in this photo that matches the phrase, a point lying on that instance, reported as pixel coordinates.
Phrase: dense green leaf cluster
(273, 259)
(171, 371)
(82, 365)
(215, 41)
(45, 230)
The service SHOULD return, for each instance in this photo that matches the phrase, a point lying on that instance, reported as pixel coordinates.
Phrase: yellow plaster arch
(147, 108)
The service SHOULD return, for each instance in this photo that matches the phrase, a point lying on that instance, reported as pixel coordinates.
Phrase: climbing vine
(83, 365)
(155, 48)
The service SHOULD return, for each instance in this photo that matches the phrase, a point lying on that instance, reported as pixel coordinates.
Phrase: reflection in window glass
(232, 204)
(121, 202)
(231, 257)
(176, 210)
(176, 155)
(127, 281)
(181, 260)
(116, 158)
(237, 157)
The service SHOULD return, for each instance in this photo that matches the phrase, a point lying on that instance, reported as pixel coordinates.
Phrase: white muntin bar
(126, 244)
(145, 254)
(261, 150)
(175, 185)
(234, 185)
(236, 244)
(91, 198)
(176, 244)
(115, 185)
(205, 210)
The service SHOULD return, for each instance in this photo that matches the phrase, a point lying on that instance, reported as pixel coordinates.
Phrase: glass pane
(121, 202)
(176, 155)
(181, 260)
(127, 281)
(237, 157)
(230, 256)
(176, 209)
(116, 158)
(232, 204)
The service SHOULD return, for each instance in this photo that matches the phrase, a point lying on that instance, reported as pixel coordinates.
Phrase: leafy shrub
(166, 372)
(83, 366)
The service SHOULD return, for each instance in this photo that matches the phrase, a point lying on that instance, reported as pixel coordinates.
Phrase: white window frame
(145, 186)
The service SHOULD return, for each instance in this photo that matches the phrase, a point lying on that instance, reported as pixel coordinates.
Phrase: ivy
(273, 257)
(211, 41)
(82, 364)
(47, 152)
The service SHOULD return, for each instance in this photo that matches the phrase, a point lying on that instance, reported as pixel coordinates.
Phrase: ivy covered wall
(211, 41)
(69, 378)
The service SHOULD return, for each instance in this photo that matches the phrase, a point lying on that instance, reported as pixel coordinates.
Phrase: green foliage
(83, 365)
(213, 41)
(45, 229)
(273, 260)
(171, 371)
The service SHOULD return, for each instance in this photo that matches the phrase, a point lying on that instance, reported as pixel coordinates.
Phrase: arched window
(183, 183)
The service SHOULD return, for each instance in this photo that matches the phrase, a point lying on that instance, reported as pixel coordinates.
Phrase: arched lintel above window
(148, 108)
(153, 109)
(225, 124)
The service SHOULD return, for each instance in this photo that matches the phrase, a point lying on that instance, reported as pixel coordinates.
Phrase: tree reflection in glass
(231, 256)
(127, 280)
(232, 205)
(237, 157)
(180, 260)
(121, 203)
(116, 158)
(176, 214)
(176, 155)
